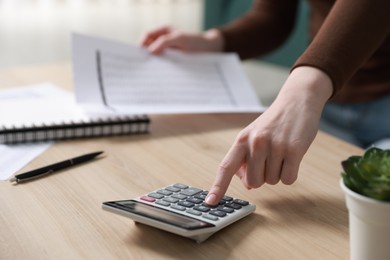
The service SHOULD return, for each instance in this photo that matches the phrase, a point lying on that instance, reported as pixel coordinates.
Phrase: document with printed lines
(123, 78)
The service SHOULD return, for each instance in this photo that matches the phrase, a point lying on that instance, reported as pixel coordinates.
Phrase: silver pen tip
(13, 179)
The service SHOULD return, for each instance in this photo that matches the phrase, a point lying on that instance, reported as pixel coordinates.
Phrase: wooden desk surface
(60, 216)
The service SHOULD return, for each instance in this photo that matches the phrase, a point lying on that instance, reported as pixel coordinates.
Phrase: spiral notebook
(70, 130)
(60, 118)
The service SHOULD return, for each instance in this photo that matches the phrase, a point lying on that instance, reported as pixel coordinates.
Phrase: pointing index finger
(229, 166)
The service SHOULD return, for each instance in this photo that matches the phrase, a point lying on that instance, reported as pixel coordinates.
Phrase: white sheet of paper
(127, 79)
(14, 157)
(42, 111)
(41, 90)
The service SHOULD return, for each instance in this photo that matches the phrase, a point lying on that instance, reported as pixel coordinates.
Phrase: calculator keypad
(182, 198)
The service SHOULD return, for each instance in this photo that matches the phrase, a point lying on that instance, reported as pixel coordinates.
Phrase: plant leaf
(369, 174)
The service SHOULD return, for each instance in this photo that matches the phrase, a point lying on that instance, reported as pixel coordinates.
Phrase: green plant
(369, 174)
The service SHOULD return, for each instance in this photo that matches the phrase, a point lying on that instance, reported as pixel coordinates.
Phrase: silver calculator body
(180, 209)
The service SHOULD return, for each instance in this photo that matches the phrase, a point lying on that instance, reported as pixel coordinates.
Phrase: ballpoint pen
(37, 173)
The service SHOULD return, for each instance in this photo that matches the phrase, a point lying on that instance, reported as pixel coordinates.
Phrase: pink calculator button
(147, 198)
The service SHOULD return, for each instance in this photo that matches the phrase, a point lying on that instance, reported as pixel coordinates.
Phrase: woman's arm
(350, 35)
(262, 29)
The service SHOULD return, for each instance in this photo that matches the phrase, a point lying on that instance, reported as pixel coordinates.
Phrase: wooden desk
(60, 216)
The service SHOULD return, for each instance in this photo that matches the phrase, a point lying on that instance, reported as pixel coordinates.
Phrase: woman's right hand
(157, 40)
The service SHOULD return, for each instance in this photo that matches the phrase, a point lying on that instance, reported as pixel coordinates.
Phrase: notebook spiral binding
(73, 130)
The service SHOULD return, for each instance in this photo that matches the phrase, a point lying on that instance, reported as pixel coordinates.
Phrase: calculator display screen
(159, 214)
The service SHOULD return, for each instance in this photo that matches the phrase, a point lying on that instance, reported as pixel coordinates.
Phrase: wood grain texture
(60, 216)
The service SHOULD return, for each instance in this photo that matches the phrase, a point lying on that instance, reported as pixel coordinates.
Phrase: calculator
(180, 209)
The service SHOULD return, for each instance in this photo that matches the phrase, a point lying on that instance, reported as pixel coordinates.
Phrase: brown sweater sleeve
(262, 29)
(349, 36)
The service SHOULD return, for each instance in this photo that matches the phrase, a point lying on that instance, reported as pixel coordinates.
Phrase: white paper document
(55, 110)
(14, 157)
(38, 105)
(127, 79)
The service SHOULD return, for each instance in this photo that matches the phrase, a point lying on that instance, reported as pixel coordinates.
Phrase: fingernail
(211, 199)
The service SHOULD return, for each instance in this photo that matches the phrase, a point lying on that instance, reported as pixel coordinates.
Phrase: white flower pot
(369, 226)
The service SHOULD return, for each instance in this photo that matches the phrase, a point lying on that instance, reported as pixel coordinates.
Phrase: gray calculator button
(227, 198)
(180, 186)
(173, 189)
(200, 196)
(194, 200)
(155, 195)
(164, 192)
(163, 203)
(190, 191)
(233, 205)
(194, 212)
(186, 204)
(179, 196)
(225, 209)
(241, 202)
(202, 208)
(211, 217)
(178, 207)
(170, 199)
(218, 213)
(222, 201)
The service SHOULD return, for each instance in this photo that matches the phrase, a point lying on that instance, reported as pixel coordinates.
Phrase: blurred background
(39, 31)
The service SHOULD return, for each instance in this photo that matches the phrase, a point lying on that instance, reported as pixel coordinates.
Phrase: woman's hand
(167, 37)
(271, 148)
